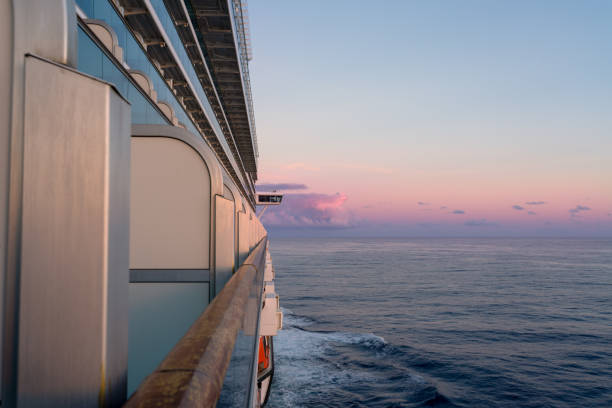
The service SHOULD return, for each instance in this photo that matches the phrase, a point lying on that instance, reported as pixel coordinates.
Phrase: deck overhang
(221, 32)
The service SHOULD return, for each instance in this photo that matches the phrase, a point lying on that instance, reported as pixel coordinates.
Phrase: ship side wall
(125, 205)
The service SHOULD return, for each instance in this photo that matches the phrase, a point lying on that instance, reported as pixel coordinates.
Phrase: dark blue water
(444, 323)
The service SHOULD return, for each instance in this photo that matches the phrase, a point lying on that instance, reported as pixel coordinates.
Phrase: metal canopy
(212, 20)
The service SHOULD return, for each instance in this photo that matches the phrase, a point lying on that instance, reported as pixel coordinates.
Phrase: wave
(318, 368)
(291, 320)
(295, 330)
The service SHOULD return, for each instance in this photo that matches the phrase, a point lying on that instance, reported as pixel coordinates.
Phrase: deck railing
(192, 374)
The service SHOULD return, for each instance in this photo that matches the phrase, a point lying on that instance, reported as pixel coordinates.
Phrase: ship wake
(316, 368)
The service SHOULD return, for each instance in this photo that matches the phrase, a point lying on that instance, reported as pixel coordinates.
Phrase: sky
(435, 118)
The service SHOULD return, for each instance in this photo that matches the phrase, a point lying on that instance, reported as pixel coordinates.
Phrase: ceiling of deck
(212, 21)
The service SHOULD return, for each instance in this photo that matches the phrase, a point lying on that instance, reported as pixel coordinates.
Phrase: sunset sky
(435, 118)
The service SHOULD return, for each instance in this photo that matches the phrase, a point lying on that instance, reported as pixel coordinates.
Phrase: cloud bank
(574, 212)
(518, 207)
(310, 210)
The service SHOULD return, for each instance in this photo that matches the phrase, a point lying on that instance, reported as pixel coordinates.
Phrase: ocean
(443, 322)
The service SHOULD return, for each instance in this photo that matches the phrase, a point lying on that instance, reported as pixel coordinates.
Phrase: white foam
(290, 320)
(302, 365)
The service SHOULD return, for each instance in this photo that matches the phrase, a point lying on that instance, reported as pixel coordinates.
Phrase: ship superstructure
(133, 262)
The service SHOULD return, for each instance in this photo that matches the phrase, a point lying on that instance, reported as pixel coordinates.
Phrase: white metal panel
(237, 208)
(271, 319)
(6, 62)
(243, 237)
(224, 242)
(269, 271)
(107, 36)
(74, 259)
(252, 227)
(195, 141)
(48, 29)
(144, 82)
(170, 207)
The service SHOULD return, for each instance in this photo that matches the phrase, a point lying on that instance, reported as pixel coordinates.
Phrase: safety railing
(193, 373)
(239, 13)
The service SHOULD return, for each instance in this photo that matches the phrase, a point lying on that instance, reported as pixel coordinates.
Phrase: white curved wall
(170, 206)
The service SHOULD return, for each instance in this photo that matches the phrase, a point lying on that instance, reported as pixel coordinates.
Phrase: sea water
(443, 322)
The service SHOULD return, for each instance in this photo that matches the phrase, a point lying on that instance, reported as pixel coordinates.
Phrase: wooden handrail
(192, 374)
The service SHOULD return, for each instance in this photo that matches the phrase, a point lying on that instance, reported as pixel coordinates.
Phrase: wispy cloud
(422, 203)
(480, 223)
(281, 186)
(518, 207)
(574, 212)
(310, 210)
(531, 212)
(535, 202)
(458, 212)
(443, 207)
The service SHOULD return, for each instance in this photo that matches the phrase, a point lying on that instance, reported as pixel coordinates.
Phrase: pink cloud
(326, 202)
(310, 210)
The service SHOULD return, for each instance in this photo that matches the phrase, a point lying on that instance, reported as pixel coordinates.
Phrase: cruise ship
(135, 270)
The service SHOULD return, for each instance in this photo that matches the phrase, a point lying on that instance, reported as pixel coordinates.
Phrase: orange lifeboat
(265, 368)
(264, 354)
